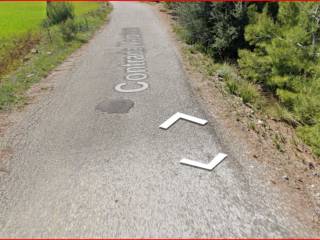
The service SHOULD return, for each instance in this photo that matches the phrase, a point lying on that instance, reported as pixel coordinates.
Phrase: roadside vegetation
(37, 36)
(267, 53)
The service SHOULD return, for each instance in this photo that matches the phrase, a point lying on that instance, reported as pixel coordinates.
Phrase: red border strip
(162, 1)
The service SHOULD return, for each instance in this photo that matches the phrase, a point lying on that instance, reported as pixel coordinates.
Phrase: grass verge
(20, 28)
(50, 50)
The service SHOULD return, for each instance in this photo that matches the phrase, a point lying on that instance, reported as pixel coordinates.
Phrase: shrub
(248, 92)
(279, 112)
(217, 26)
(69, 30)
(227, 72)
(232, 86)
(194, 17)
(58, 12)
(83, 25)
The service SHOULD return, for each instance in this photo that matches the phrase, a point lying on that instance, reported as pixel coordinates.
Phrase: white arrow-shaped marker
(175, 117)
(209, 166)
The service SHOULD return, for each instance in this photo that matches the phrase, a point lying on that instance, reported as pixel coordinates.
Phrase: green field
(18, 62)
(20, 17)
(21, 28)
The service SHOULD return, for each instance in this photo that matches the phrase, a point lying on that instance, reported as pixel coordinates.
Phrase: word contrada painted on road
(207, 166)
(135, 65)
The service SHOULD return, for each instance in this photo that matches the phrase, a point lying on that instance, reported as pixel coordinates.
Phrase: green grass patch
(248, 92)
(51, 50)
(311, 136)
(81, 8)
(17, 18)
(20, 27)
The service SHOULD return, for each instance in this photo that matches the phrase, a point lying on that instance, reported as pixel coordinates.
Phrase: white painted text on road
(135, 64)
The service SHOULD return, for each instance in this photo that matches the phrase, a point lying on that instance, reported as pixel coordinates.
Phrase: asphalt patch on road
(115, 106)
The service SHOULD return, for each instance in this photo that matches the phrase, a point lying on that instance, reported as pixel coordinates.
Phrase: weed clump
(58, 12)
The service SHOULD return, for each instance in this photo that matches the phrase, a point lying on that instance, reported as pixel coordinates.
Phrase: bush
(69, 30)
(217, 27)
(58, 12)
(280, 113)
(233, 86)
(248, 92)
(83, 25)
(227, 72)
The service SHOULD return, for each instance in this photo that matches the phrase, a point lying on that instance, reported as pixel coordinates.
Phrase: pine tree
(285, 59)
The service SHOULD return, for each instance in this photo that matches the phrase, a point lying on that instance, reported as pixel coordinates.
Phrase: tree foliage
(276, 46)
(285, 60)
(216, 27)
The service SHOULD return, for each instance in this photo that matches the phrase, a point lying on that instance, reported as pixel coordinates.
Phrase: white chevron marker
(175, 117)
(209, 166)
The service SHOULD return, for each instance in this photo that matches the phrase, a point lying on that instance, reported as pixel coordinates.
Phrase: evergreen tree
(285, 59)
(216, 27)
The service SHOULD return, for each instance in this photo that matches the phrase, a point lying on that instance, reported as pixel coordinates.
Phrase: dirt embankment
(15, 51)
